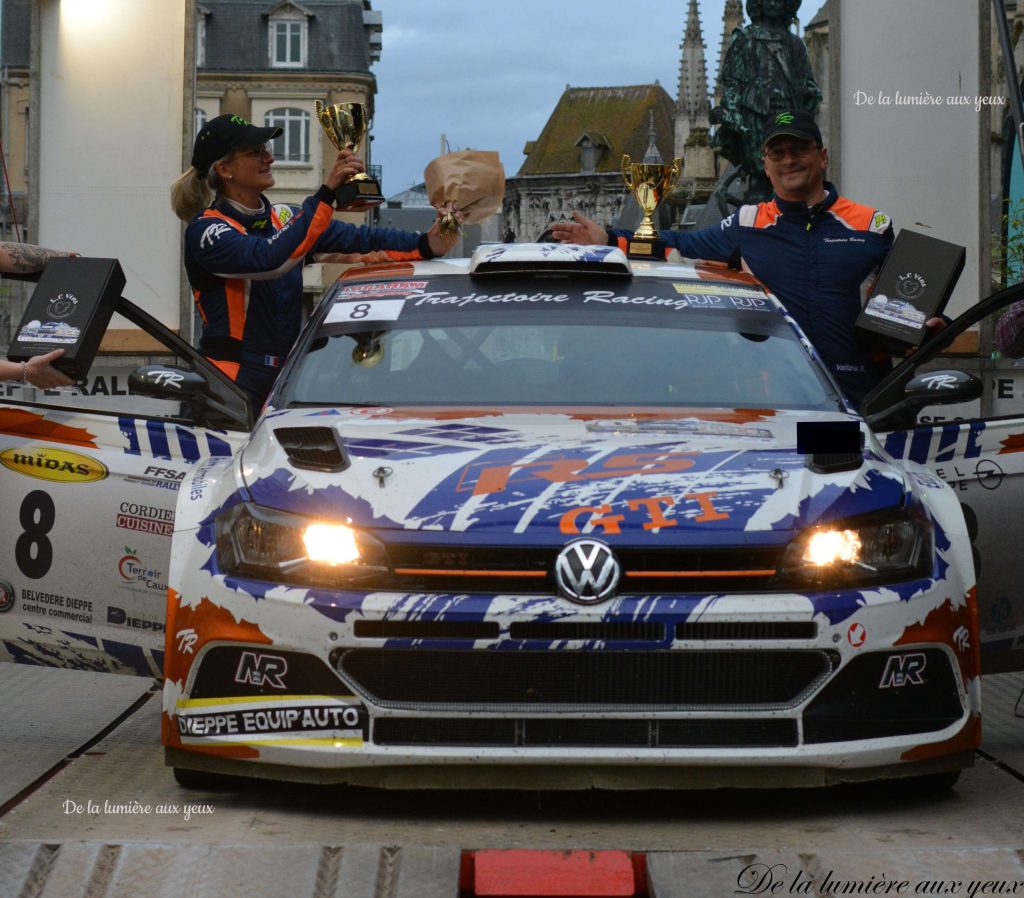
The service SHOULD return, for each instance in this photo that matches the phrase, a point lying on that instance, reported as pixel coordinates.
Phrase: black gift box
(70, 310)
(915, 284)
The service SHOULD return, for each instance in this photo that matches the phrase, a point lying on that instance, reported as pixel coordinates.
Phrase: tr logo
(940, 381)
(261, 670)
(169, 379)
(903, 670)
(587, 571)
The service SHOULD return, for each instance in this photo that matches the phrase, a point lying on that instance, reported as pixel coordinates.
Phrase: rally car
(547, 517)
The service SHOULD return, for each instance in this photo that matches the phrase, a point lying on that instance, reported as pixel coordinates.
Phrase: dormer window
(289, 37)
(592, 147)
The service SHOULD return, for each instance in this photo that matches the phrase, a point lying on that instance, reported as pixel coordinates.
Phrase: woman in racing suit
(244, 256)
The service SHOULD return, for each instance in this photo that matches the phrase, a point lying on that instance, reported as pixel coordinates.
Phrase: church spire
(692, 102)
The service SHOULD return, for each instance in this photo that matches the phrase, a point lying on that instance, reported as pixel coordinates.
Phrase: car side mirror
(165, 382)
(929, 388)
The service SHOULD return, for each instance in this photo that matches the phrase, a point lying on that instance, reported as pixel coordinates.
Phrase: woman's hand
(345, 168)
(442, 239)
(40, 372)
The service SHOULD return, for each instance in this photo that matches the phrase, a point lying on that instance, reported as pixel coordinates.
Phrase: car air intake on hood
(313, 448)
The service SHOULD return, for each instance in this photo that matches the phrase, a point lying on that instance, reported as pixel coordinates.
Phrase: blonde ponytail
(190, 195)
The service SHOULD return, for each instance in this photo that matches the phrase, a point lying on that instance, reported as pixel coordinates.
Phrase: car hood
(542, 475)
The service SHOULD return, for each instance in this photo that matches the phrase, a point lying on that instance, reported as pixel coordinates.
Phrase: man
(816, 251)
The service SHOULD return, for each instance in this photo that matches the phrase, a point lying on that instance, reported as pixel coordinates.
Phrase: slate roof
(619, 114)
(236, 36)
(14, 42)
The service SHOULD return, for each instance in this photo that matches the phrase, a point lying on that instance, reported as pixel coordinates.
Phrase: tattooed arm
(24, 257)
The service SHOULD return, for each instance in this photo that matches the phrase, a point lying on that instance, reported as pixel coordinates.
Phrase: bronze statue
(765, 70)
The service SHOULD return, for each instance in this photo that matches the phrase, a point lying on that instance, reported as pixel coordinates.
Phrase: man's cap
(224, 133)
(791, 123)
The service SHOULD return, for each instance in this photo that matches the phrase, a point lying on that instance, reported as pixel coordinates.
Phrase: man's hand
(441, 241)
(345, 168)
(40, 372)
(933, 326)
(580, 230)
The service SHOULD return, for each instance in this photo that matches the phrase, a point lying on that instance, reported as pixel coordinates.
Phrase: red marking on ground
(521, 873)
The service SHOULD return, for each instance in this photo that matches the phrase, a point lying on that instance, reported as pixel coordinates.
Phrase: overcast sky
(488, 73)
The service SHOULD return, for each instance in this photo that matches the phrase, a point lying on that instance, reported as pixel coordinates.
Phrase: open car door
(977, 447)
(89, 478)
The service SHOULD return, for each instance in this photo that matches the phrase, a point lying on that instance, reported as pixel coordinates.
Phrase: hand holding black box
(915, 284)
(70, 310)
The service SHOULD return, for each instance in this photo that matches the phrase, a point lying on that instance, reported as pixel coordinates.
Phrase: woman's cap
(224, 133)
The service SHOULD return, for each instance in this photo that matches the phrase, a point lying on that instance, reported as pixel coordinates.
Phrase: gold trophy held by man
(649, 183)
(345, 125)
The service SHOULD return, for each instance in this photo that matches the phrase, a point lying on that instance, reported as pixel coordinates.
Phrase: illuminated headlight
(895, 545)
(275, 545)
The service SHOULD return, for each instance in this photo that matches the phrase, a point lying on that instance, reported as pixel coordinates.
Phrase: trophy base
(358, 194)
(646, 248)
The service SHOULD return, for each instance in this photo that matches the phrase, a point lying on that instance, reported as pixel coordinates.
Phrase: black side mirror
(929, 388)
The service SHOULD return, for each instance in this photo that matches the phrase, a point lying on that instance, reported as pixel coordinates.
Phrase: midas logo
(58, 465)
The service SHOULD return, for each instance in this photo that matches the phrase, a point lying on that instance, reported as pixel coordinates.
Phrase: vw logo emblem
(587, 571)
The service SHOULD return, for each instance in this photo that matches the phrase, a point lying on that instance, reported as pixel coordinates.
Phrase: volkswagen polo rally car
(544, 518)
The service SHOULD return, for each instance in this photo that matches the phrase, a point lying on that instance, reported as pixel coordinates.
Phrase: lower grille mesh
(621, 679)
(568, 733)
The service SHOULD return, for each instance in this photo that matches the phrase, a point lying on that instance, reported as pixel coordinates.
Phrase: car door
(89, 478)
(976, 447)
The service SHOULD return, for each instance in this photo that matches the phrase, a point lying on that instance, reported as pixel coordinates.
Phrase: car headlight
(276, 545)
(879, 548)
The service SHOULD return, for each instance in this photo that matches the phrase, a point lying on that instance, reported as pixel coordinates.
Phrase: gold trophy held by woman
(345, 125)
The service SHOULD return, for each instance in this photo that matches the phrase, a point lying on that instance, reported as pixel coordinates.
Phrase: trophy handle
(318, 107)
(673, 175)
(627, 170)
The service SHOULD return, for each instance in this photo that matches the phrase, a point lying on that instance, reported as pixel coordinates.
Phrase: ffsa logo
(903, 670)
(261, 670)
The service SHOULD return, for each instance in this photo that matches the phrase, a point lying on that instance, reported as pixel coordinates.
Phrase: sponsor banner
(288, 718)
(7, 596)
(119, 617)
(391, 288)
(145, 518)
(54, 605)
(52, 464)
(652, 296)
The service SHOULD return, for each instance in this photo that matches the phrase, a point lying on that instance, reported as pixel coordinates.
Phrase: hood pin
(382, 474)
(780, 477)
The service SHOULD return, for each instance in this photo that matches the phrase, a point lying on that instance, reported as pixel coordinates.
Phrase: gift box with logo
(915, 284)
(70, 310)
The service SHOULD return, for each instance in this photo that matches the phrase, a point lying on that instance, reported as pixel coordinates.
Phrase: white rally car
(544, 518)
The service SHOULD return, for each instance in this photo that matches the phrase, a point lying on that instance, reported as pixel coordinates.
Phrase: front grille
(530, 570)
(611, 631)
(587, 733)
(591, 680)
(747, 630)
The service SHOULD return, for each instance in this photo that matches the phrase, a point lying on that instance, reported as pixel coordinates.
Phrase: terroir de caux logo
(57, 465)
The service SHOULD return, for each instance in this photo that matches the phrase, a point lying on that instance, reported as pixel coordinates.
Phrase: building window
(287, 43)
(200, 40)
(293, 144)
(201, 118)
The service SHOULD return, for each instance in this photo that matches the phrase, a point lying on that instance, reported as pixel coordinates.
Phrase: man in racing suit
(244, 256)
(816, 251)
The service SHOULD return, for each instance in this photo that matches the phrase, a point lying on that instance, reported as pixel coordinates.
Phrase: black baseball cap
(791, 123)
(224, 133)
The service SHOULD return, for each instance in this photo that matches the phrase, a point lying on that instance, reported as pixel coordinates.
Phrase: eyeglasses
(798, 151)
(260, 150)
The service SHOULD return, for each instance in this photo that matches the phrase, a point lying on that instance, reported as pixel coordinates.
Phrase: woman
(244, 256)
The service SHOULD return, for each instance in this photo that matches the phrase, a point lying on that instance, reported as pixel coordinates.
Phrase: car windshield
(573, 350)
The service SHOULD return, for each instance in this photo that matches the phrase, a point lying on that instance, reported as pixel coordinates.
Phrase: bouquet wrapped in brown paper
(472, 181)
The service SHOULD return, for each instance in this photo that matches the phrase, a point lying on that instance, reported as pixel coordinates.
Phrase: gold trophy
(649, 184)
(345, 125)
